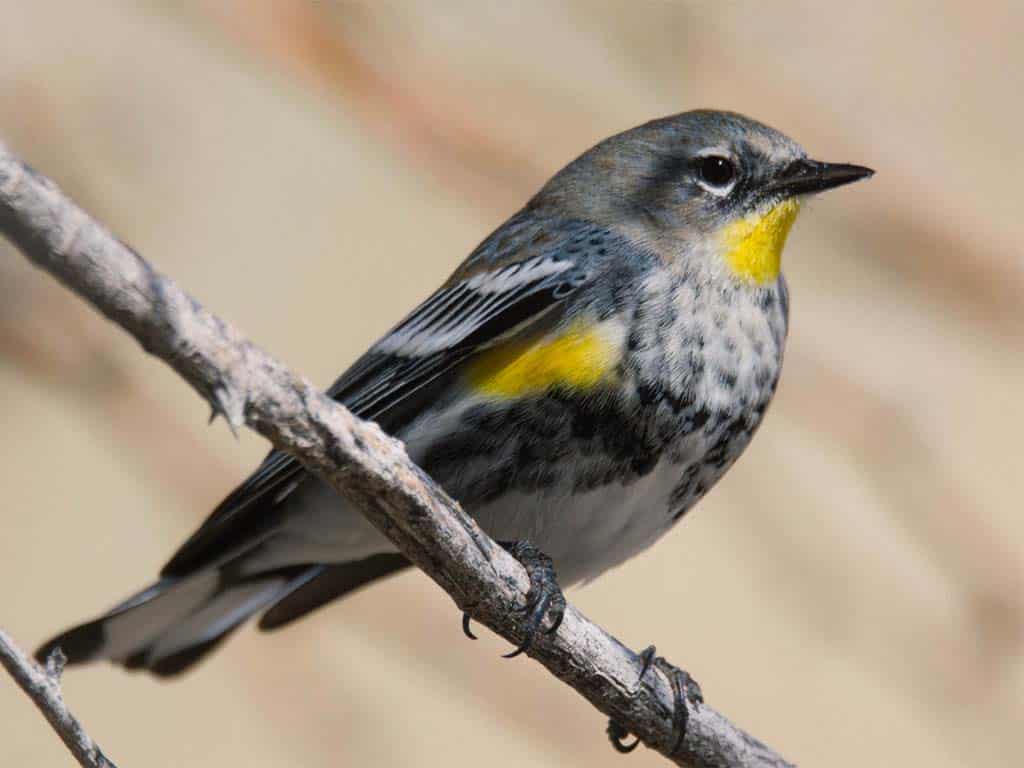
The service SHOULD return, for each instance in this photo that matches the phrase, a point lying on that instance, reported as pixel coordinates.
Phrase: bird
(578, 383)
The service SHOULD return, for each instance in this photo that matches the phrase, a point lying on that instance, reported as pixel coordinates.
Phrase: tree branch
(370, 469)
(43, 687)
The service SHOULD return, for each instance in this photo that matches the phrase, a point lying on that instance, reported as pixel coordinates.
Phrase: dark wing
(487, 300)
(457, 321)
(328, 582)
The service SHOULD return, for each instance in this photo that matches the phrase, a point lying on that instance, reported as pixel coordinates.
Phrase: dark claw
(545, 597)
(647, 657)
(557, 611)
(685, 692)
(617, 732)
(465, 627)
(519, 649)
(533, 622)
(617, 735)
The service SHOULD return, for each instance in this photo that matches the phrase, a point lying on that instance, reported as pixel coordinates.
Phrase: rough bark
(247, 386)
(43, 687)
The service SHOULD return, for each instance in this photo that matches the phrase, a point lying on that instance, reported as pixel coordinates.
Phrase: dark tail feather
(176, 622)
(87, 641)
(332, 582)
(176, 663)
(173, 624)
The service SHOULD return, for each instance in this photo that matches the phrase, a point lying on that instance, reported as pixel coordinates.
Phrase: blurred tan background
(853, 592)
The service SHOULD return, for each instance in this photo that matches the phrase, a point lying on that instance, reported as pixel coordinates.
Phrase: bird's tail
(174, 623)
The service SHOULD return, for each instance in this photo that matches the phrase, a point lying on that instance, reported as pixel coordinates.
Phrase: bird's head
(708, 184)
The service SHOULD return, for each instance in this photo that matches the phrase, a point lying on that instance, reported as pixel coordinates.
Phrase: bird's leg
(617, 732)
(545, 597)
(543, 601)
(685, 692)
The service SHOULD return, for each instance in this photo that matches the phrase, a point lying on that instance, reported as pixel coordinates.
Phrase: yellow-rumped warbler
(579, 382)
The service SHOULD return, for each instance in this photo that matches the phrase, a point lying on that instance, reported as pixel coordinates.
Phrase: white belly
(588, 533)
(585, 534)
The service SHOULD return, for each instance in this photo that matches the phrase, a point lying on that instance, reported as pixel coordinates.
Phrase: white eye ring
(717, 173)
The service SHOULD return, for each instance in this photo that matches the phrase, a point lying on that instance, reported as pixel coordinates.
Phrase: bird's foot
(544, 601)
(617, 732)
(685, 693)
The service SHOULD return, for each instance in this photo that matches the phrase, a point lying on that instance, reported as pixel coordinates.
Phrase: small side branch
(371, 470)
(43, 687)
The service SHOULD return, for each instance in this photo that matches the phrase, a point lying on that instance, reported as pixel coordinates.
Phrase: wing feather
(479, 306)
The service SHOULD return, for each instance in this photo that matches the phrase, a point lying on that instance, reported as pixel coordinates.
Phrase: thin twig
(370, 469)
(43, 687)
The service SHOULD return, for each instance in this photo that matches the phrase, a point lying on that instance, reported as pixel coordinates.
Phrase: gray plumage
(626, 242)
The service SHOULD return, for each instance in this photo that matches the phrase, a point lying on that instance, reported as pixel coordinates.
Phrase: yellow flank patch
(753, 244)
(578, 359)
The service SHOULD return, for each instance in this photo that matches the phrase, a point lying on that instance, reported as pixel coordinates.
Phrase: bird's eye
(716, 171)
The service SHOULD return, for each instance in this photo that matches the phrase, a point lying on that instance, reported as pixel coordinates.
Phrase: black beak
(804, 177)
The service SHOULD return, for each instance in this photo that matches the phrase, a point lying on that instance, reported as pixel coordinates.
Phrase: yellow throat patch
(753, 244)
(578, 359)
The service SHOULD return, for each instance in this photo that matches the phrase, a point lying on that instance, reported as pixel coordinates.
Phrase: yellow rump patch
(753, 244)
(579, 359)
